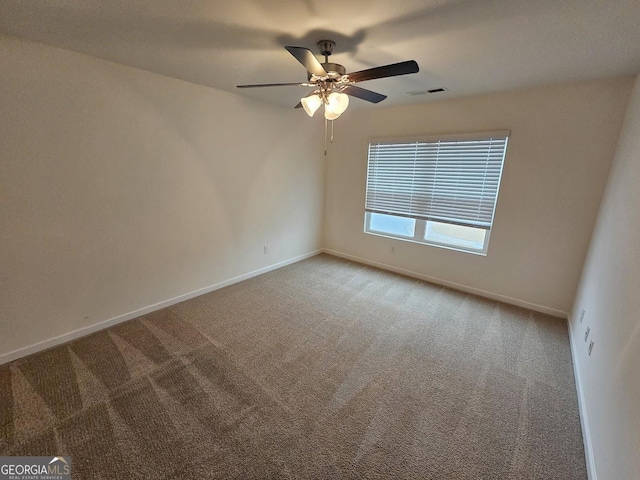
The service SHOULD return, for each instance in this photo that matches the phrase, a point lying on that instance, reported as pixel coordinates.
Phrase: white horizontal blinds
(446, 180)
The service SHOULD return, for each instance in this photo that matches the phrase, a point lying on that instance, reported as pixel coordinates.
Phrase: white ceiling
(467, 46)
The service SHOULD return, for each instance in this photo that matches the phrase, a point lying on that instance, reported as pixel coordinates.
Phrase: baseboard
(582, 408)
(476, 291)
(81, 332)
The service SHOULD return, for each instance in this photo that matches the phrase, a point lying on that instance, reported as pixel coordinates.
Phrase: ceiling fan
(331, 82)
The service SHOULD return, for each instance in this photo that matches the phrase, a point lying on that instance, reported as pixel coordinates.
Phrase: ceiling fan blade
(363, 93)
(299, 105)
(393, 70)
(258, 85)
(308, 60)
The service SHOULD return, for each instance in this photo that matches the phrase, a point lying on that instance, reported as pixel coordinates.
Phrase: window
(440, 191)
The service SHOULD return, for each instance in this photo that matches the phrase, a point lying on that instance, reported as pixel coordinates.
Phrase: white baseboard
(81, 332)
(476, 291)
(582, 407)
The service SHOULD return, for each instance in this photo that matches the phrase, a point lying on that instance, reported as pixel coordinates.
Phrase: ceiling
(469, 46)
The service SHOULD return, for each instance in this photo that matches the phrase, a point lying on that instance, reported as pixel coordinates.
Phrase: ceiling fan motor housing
(335, 72)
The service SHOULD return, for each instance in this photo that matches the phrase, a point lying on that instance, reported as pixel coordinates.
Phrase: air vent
(425, 92)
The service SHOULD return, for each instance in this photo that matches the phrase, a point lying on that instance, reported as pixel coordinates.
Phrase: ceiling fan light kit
(311, 103)
(333, 85)
(335, 103)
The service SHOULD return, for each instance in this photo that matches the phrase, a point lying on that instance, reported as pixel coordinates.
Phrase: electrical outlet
(266, 249)
(590, 347)
(582, 315)
(586, 334)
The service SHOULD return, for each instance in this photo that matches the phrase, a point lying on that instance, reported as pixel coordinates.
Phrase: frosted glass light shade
(311, 104)
(330, 115)
(337, 103)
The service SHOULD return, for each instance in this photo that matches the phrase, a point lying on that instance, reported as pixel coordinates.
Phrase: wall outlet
(266, 249)
(586, 334)
(582, 315)
(590, 347)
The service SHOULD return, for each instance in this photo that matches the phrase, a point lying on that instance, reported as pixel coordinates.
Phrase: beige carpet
(323, 369)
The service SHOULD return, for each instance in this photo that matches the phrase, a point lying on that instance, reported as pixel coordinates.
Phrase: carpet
(322, 369)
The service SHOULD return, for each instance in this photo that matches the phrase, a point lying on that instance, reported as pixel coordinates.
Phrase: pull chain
(325, 137)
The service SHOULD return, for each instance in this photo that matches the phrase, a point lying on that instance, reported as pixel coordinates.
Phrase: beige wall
(609, 293)
(559, 154)
(121, 189)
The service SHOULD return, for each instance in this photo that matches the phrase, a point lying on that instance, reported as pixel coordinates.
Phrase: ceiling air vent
(425, 92)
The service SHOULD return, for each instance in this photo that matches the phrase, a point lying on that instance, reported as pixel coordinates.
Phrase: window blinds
(449, 179)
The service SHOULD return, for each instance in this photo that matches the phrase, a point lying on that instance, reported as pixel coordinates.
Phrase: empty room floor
(322, 369)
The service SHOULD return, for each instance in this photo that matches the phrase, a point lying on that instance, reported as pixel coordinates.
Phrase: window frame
(421, 223)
